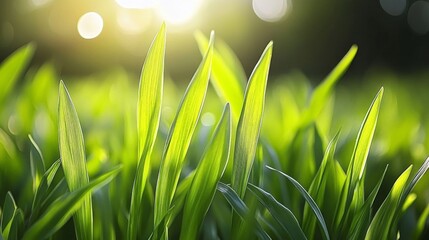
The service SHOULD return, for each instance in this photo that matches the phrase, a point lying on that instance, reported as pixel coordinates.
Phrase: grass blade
(63, 208)
(309, 200)
(8, 216)
(322, 93)
(227, 81)
(148, 117)
(72, 151)
(180, 136)
(280, 213)
(240, 208)
(249, 124)
(357, 164)
(37, 164)
(204, 185)
(381, 224)
(12, 68)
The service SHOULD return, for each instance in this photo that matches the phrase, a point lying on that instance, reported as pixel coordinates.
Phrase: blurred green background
(308, 35)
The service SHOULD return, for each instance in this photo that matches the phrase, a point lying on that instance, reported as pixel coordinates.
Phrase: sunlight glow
(133, 23)
(90, 25)
(270, 10)
(136, 4)
(178, 11)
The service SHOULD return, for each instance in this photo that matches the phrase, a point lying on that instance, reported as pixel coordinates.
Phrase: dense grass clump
(237, 160)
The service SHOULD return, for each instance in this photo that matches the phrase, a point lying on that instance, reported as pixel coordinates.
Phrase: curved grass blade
(8, 217)
(207, 175)
(381, 224)
(322, 93)
(240, 208)
(63, 208)
(148, 118)
(226, 79)
(280, 213)
(318, 185)
(37, 164)
(72, 151)
(180, 136)
(357, 164)
(309, 200)
(12, 68)
(250, 122)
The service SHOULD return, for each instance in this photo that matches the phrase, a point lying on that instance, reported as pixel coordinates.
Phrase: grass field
(114, 156)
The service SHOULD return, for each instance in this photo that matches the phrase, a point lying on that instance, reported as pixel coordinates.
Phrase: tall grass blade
(381, 224)
(8, 217)
(12, 68)
(281, 214)
(357, 164)
(148, 117)
(240, 208)
(249, 124)
(207, 175)
(72, 151)
(322, 93)
(227, 80)
(64, 207)
(310, 202)
(180, 136)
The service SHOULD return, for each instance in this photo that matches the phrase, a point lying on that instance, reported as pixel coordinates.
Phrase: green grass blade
(72, 151)
(322, 93)
(63, 208)
(240, 208)
(357, 164)
(318, 185)
(361, 219)
(227, 81)
(203, 186)
(148, 118)
(249, 124)
(421, 223)
(37, 164)
(381, 224)
(8, 217)
(309, 200)
(12, 68)
(180, 136)
(280, 213)
(42, 190)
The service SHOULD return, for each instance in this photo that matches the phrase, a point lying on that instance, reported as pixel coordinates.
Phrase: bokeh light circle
(393, 7)
(270, 10)
(177, 12)
(90, 25)
(418, 17)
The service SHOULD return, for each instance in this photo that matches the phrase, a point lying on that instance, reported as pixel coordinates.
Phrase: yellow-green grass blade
(72, 152)
(58, 213)
(148, 117)
(207, 175)
(12, 68)
(249, 124)
(309, 200)
(42, 189)
(280, 213)
(241, 208)
(227, 77)
(361, 219)
(357, 164)
(322, 93)
(317, 187)
(180, 136)
(37, 164)
(421, 223)
(381, 224)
